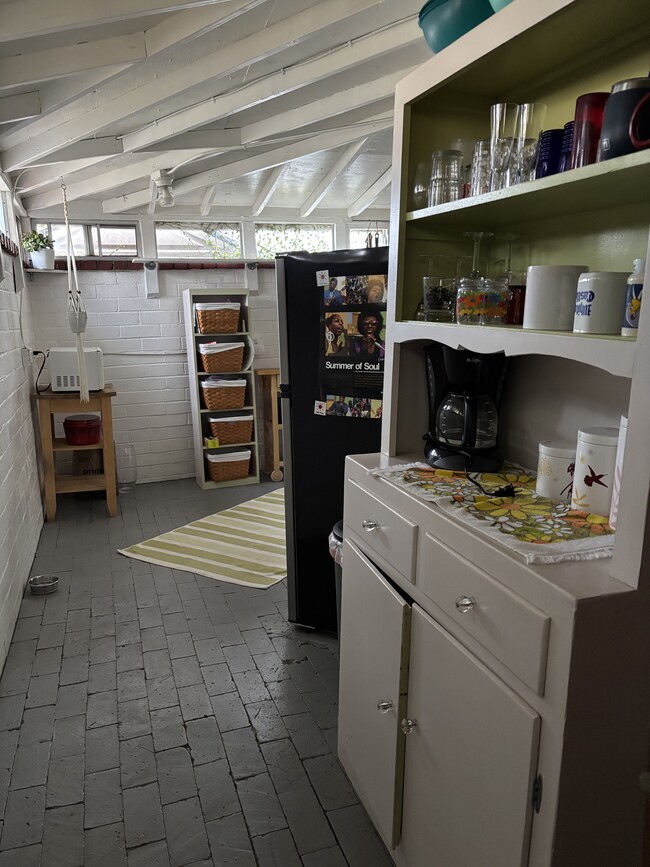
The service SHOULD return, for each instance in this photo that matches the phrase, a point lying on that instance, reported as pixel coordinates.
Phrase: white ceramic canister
(551, 296)
(618, 471)
(593, 479)
(555, 469)
(600, 302)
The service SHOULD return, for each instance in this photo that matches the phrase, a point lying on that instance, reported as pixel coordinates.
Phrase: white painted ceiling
(277, 109)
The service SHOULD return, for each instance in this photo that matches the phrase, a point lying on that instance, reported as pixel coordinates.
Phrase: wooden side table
(54, 402)
(270, 379)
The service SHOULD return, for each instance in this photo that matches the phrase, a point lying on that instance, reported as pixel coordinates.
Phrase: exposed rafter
(267, 191)
(120, 99)
(266, 160)
(25, 69)
(19, 107)
(272, 86)
(346, 159)
(85, 149)
(24, 19)
(110, 179)
(366, 199)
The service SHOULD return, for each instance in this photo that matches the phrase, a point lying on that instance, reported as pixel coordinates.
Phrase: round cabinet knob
(369, 526)
(384, 706)
(465, 604)
(408, 726)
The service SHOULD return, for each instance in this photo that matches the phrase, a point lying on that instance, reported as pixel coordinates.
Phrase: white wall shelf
(612, 354)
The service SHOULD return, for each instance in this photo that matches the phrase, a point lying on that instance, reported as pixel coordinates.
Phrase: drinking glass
(590, 108)
(480, 172)
(477, 237)
(126, 465)
(420, 186)
(530, 123)
(503, 129)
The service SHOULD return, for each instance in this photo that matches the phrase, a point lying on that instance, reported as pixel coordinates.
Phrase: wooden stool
(270, 378)
(51, 402)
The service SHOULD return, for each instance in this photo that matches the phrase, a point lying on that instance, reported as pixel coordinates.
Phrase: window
(359, 237)
(198, 240)
(4, 217)
(92, 240)
(274, 238)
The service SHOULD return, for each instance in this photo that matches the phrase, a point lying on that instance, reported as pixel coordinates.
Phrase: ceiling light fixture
(165, 194)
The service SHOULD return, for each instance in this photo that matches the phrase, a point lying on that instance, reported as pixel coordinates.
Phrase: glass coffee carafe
(467, 421)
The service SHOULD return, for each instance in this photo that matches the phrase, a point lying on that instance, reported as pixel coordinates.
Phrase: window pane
(198, 240)
(359, 238)
(58, 232)
(274, 238)
(118, 241)
(95, 249)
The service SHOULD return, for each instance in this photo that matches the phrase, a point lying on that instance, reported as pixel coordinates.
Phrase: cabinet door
(470, 760)
(374, 665)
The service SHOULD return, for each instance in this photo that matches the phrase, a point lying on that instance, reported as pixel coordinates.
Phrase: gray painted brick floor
(155, 718)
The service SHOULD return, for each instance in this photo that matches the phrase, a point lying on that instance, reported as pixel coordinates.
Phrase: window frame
(198, 224)
(297, 224)
(88, 237)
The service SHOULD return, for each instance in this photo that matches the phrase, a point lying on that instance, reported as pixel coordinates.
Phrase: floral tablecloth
(541, 530)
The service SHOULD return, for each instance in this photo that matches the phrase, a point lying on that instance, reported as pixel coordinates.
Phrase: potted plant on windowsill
(41, 249)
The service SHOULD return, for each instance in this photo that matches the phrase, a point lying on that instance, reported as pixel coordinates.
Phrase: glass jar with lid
(468, 301)
(494, 302)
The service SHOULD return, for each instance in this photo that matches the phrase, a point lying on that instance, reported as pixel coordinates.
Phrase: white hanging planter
(43, 260)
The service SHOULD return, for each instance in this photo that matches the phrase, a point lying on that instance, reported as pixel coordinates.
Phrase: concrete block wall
(144, 351)
(21, 513)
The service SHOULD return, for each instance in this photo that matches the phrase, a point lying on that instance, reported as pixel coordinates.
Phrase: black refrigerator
(331, 313)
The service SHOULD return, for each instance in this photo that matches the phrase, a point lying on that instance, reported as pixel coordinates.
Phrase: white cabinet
(202, 415)
(374, 665)
(545, 674)
(470, 760)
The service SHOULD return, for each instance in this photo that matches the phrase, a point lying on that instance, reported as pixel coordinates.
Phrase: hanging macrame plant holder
(77, 316)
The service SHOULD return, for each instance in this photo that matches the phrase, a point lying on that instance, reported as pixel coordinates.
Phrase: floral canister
(593, 479)
(555, 470)
(618, 471)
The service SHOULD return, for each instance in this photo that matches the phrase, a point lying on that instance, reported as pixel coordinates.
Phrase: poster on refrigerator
(353, 316)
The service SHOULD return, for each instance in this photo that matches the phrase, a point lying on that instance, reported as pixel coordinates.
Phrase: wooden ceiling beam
(24, 19)
(348, 56)
(366, 199)
(346, 159)
(22, 69)
(270, 186)
(19, 107)
(265, 160)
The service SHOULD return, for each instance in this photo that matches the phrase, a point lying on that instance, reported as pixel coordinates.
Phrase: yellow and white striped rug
(242, 545)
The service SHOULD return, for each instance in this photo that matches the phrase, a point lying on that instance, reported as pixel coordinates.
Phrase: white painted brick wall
(21, 514)
(151, 409)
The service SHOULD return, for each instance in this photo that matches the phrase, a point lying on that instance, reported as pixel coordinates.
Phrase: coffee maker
(464, 391)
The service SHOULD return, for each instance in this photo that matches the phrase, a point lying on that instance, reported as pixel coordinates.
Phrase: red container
(590, 108)
(82, 430)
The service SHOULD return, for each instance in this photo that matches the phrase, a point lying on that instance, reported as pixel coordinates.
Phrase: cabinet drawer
(503, 623)
(381, 530)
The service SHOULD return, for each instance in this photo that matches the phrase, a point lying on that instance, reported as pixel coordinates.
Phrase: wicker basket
(224, 394)
(225, 468)
(236, 429)
(221, 357)
(217, 318)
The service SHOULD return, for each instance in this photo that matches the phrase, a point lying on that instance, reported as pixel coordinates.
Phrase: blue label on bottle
(632, 305)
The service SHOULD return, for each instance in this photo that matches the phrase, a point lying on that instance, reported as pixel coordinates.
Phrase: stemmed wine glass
(477, 237)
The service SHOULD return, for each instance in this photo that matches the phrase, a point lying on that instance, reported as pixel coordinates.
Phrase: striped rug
(243, 545)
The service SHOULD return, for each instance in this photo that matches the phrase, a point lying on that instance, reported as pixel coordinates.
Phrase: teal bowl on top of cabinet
(499, 4)
(444, 21)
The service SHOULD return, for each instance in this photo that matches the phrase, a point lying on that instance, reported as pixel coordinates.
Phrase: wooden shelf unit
(196, 374)
(273, 463)
(51, 403)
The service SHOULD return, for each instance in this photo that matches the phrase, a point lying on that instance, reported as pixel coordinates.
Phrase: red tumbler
(590, 108)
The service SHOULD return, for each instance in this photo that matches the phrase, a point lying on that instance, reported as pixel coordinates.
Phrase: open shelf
(227, 446)
(221, 334)
(231, 411)
(72, 484)
(62, 445)
(611, 353)
(614, 182)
